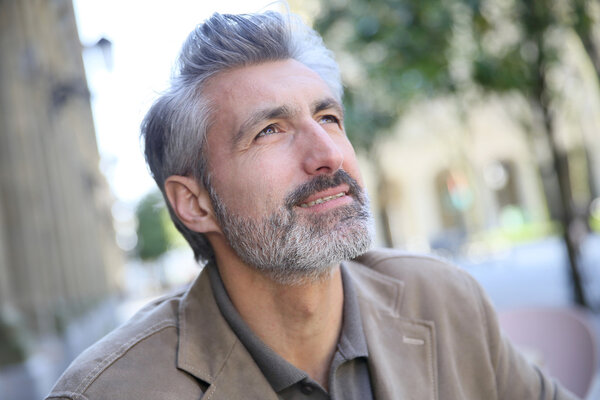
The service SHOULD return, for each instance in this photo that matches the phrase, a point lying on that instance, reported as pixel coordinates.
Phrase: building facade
(58, 256)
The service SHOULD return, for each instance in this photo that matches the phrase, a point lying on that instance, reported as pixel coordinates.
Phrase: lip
(326, 193)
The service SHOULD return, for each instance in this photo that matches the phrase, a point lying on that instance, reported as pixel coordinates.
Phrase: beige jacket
(430, 330)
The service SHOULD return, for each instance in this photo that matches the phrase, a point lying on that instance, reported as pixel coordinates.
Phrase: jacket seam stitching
(69, 394)
(183, 338)
(235, 343)
(94, 373)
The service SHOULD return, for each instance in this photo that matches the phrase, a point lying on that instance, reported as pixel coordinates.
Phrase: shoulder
(141, 350)
(414, 269)
(429, 287)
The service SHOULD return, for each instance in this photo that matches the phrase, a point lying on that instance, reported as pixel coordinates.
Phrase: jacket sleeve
(516, 378)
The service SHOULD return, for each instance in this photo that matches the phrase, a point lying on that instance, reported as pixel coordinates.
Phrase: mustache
(323, 182)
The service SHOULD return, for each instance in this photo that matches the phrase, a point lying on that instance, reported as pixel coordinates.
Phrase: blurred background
(476, 122)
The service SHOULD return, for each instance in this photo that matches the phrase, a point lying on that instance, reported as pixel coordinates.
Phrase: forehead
(262, 77)
(235, 94)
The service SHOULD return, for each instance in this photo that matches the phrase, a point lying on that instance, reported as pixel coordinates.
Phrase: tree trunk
(561, 173)
(583, 27)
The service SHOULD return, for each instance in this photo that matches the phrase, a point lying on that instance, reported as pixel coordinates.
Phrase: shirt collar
(278, 372)
(352, 343)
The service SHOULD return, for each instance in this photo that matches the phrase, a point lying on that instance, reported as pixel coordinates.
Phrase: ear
(191, 204)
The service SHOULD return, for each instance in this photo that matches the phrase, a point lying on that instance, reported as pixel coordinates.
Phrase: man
(249, 149)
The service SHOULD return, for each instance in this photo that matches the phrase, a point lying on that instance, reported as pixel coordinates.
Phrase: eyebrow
(282, 112)
(260, 116)
(327, 103)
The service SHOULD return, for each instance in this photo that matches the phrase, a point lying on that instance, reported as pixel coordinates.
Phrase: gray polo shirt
(349, 374)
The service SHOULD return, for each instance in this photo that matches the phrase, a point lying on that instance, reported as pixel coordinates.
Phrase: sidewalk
(537, 274)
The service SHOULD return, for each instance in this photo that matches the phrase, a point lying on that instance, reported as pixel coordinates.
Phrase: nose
(322, 154)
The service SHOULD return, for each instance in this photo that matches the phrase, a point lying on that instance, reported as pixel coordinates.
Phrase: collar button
(306, 388)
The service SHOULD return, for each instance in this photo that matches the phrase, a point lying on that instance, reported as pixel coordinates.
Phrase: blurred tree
(392, 57)
(585, 18)
(154, 237)
(517, 47)
(396, 51)
(12, 344)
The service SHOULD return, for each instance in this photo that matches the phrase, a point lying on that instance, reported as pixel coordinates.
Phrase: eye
(329, 119)
(269, 130)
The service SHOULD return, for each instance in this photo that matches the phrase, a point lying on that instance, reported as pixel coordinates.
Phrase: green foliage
(594, 220)
(154, 227)
(503, 238)
(400, 49)
(12, 346)
(595, 224)
(514, 45)
(584, 15)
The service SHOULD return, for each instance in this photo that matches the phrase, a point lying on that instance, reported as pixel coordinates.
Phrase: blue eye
(269, 130)
(329, 119)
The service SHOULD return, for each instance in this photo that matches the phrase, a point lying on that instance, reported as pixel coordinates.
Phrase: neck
(301, 323)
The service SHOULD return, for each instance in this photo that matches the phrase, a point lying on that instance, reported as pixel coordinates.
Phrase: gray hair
(174, 129)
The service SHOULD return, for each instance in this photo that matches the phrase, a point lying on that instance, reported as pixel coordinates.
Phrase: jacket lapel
(209, 350)
(240, 378)
(402, 356)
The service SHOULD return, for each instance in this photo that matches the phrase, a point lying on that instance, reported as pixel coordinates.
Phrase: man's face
(285, 183)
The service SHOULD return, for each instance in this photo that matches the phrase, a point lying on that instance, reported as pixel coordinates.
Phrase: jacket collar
(402, 358)
(209, 350)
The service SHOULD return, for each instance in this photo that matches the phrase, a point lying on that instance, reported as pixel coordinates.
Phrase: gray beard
(291, 249)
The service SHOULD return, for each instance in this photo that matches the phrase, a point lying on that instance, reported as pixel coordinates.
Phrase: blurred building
(473, 170)
(58, 257)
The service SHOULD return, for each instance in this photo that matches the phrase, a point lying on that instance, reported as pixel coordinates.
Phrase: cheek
(253, 188)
